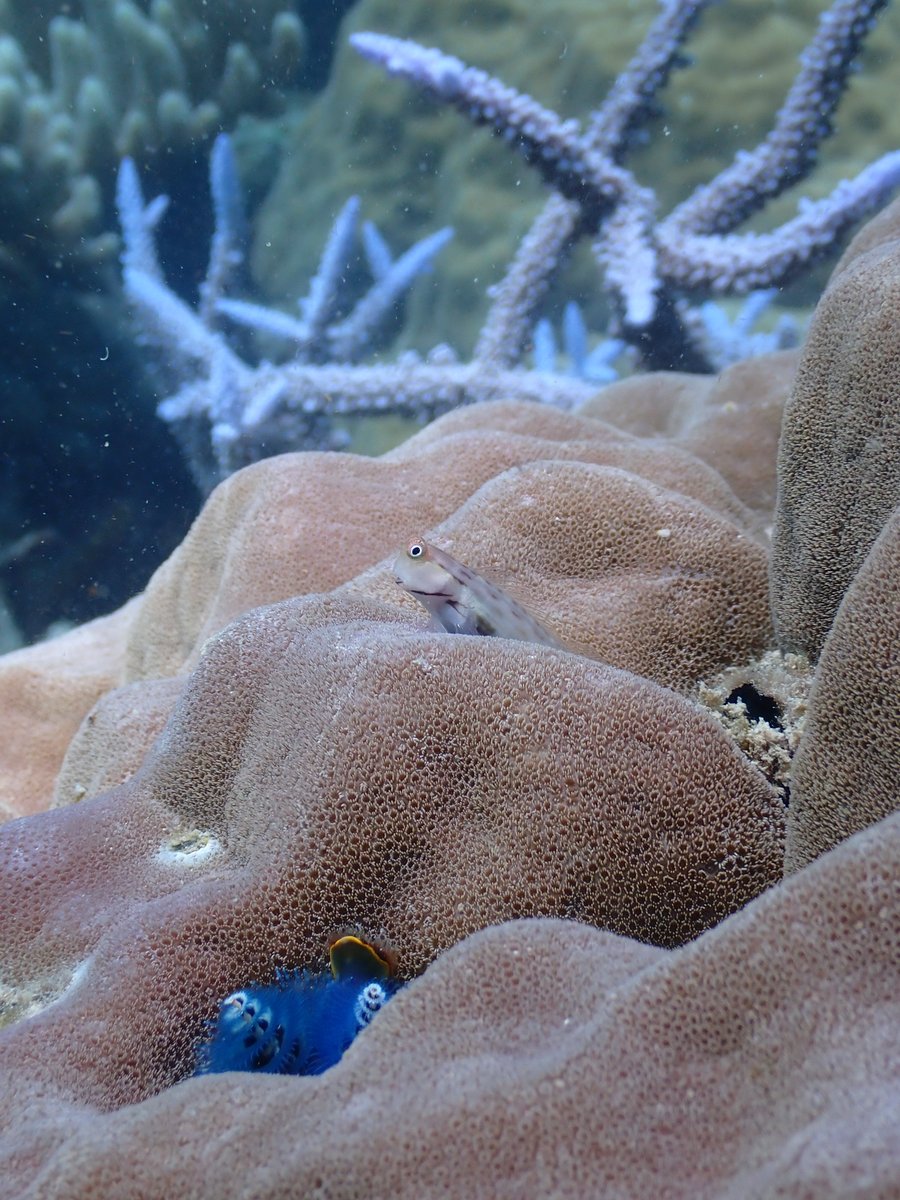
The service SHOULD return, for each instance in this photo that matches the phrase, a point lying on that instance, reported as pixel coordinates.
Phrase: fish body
(462, 601)
(302, 1023)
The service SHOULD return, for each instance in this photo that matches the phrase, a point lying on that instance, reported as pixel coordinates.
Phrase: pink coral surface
(614, 992)
(543, 1058)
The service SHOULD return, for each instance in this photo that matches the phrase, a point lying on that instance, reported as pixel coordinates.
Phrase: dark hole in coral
(759, 707)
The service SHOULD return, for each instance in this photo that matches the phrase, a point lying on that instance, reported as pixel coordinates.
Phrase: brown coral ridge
(545, 1058)
(845, 775)
(731, 421)
(308, 522)
(620, 569)
(840, 444)
(287, 526)
(326, 769)
(672, 585)
(665, 578)
(45, 691)
(330, 765)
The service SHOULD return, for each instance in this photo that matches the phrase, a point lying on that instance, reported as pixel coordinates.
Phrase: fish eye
(416, 550)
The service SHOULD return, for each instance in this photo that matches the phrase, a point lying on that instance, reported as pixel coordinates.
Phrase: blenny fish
(303, 1022)
(462, 601)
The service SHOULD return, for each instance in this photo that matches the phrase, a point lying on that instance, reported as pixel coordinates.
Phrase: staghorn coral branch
(227, 412)
(745, 262)
(171, 322)
(789, 152)
(515, 299)
(556, 147)
(688, 251)
(419, 389)
(138, 222)
(225, 253)
(409, 387)
(267, 320)
(318, 305)
(601, 188)
(629, 103)
(610, 131)
(627, 252)
(350, 338)
(223, 410)
(378, 252)
(318, 338)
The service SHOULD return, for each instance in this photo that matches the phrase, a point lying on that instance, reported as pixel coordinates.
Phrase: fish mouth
(420, 595)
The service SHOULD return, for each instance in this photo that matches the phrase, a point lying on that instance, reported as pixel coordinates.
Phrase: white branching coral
(227, 412)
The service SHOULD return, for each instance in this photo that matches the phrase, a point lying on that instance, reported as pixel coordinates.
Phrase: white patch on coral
(19, 1003)
(188, 847)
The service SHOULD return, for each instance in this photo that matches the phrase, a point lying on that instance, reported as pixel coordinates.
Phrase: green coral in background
(84, 86)
(82, 83)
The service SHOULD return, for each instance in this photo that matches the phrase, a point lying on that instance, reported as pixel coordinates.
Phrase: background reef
(312, 127)
(642, 886)
(407, 157)
(86, 464)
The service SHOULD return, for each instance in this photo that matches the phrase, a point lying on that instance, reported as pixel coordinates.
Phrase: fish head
(417, 571)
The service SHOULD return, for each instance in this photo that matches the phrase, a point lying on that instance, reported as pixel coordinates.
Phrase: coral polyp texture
(841, 441)
(834, 795)
(640, 955)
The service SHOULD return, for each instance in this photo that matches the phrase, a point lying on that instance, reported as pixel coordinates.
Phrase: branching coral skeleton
(658, 272)
(650, 265)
